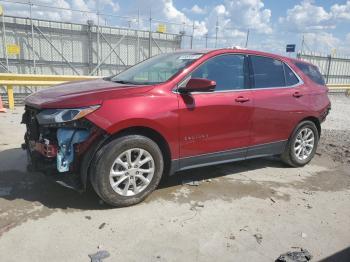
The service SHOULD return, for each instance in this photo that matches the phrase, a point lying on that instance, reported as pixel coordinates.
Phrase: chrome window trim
(300, 80)
(174, 90)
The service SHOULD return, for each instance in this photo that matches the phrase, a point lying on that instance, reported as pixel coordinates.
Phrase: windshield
(155, 70)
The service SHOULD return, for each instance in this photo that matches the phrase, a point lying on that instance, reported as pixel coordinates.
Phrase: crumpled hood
(82, 93)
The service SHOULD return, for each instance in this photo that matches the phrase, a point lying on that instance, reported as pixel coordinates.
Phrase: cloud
(23, 10)
(166, 10)
(110, 4)
(243, 15)
(316, 24)
(60, 9)
(322, 42)
(196, 10)
(306, 17)
(272, 43)
(341, 11)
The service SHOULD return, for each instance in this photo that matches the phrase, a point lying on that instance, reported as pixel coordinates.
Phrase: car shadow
(17, 183)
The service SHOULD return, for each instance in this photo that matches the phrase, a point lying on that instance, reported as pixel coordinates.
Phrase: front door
(215, 126)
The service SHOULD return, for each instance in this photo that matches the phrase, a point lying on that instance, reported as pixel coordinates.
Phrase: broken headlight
(53, 116)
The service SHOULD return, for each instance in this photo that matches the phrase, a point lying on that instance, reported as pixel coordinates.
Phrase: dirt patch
(328, 181)
(227, 188)
(336, 144)
(27, 196)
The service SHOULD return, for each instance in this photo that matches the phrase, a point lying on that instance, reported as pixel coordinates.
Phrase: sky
(323, 24)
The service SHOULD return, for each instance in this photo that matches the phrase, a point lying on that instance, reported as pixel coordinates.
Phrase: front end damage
(61, 150)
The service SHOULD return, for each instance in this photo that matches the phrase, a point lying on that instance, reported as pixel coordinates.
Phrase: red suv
(173, 112)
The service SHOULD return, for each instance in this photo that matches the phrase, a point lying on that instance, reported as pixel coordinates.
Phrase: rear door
(318, 91)
(280, 101)
(214, 123)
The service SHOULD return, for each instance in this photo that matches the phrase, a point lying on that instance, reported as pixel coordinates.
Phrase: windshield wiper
(124, 82)
(129, 82)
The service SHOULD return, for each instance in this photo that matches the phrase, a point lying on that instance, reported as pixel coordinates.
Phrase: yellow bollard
(10, 97)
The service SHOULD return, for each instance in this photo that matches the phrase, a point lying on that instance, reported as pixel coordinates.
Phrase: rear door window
(267, 72)
(312, 72)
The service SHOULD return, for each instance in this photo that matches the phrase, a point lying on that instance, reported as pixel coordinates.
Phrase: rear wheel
(127, 170)
(302, 145)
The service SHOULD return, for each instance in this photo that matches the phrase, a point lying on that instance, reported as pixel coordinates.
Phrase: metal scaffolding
(51, 47)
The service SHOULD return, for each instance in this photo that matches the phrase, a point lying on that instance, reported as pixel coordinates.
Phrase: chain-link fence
(50, 47)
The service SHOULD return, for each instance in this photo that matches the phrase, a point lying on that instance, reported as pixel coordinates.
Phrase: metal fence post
(216, 31)
(98, 36)
(329, 58)
(192, 35)
(4, 40)
(90, 53)
(32, 28)
(138, 37)
(150, 35)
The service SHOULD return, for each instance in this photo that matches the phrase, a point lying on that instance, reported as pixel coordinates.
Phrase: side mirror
(198, 85)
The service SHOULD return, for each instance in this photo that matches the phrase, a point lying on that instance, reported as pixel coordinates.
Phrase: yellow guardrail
(340, 87)
(11, 80)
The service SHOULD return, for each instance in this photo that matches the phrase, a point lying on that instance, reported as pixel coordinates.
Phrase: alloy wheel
(132, 171)
(304, 143)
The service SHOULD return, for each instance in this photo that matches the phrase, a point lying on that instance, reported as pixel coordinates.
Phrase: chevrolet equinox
(173, 112)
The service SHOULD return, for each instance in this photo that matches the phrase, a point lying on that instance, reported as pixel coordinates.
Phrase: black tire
(104, 159)
(288, 156)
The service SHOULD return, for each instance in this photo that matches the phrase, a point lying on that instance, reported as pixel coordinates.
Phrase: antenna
(216, 30)
(302, 44)
(247, 39)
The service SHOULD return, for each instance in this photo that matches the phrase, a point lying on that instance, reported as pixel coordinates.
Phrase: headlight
(52, 116)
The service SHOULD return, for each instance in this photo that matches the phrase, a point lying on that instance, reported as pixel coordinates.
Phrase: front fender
(158, 112)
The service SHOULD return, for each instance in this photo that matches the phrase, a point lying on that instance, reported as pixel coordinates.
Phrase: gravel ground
(246, 211)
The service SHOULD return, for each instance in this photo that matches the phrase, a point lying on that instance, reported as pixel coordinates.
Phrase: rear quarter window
(291, 78)
(312, 72)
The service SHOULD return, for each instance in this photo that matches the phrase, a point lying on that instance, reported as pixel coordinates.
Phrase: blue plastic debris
(66, 138)
(99, 256)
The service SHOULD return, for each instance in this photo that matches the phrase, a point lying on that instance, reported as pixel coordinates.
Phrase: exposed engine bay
(56, 149)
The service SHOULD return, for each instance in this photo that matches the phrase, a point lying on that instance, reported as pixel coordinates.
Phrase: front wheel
(127, 170)
(302, 145)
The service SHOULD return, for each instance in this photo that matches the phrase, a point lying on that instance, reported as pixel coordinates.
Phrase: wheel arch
(286, 156)
(316, 121)
(151, 133)
(148, 132)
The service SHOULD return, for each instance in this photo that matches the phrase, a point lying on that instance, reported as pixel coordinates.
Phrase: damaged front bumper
(59, 150)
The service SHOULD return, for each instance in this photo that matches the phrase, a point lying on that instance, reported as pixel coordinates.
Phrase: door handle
(242, 99)
(297, 94)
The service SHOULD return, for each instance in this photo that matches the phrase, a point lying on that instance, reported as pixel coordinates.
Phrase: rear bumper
(325, 113)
